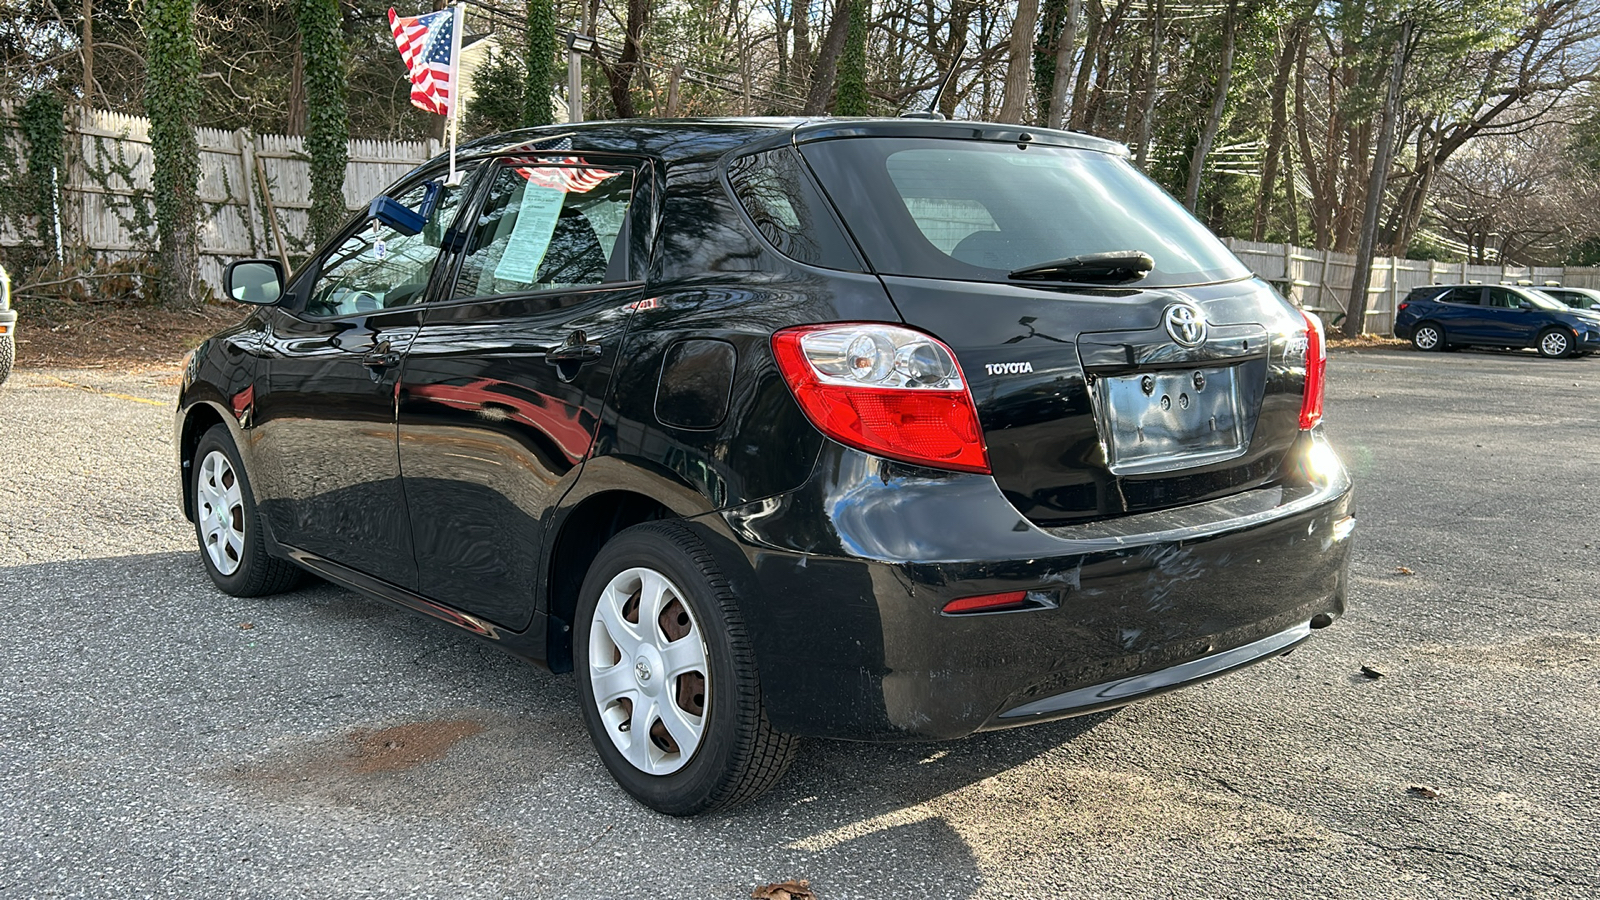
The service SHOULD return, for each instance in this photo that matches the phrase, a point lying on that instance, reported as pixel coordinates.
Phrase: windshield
(972, 211)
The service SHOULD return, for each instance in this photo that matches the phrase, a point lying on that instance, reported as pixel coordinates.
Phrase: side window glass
(788, 211)
(546, 226)
(1500, 298)
(379, 268)
(1467, 296)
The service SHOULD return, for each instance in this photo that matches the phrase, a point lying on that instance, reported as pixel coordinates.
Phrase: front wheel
(667, 676)
(1555, 343)
(226, 526)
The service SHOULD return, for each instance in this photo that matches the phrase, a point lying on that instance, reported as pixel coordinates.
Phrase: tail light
(1402, 306)
(884, 389)
(1316, 372)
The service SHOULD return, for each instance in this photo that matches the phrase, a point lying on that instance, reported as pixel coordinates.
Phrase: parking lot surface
(158, 738)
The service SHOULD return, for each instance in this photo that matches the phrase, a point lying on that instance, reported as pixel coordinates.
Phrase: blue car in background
(1447, 316)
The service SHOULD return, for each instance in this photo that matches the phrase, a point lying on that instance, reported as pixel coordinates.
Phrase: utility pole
(1355, 311)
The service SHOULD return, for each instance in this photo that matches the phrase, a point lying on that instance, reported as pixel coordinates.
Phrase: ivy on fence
(130, 205)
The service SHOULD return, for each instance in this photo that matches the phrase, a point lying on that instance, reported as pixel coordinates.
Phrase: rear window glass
(972, 210)
(788, 211)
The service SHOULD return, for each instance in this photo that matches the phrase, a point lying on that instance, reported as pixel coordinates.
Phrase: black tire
(738, 756)
(1428, 337)
(1554, 343)
(8, 356)
(255, 572)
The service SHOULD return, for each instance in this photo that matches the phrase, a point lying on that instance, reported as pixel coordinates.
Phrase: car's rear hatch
(1095, 401)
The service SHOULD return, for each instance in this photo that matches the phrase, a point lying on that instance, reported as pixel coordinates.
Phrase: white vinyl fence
(1319, 280)
(255, 189)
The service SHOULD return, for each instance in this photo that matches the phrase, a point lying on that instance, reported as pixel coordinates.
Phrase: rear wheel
(1555, 343)
(667, 676)
(226, 526)
(1428, 336)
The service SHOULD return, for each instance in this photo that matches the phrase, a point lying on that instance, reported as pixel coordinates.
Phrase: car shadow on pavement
(321, 699)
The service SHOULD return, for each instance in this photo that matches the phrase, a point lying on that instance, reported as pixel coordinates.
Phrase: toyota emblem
(1186, 323)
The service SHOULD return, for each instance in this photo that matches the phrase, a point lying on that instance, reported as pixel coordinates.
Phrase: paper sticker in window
(530, 235)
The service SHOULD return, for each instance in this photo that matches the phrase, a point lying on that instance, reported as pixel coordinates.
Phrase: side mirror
(256, 281)
(1525, 304)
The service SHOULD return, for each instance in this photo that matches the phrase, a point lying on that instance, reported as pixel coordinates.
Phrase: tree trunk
(960, 23)
(1105, 46)
(297, 94)
(827, 64)
(1275, 135)
(1080, 84)
(1219, 102)
(800, 67)
(172, 100)
(1356, 309)
(850, 95)
(88, 54)
(1303, 136)
(619, 75)
(1019, 67)
(1147, 112)
(1066, 48)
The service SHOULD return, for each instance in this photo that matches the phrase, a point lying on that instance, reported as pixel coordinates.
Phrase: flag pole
(458, 20)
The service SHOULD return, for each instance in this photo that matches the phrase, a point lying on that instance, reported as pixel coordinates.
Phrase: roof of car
(674, 140)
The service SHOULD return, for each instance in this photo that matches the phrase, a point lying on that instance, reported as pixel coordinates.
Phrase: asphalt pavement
(160, 739)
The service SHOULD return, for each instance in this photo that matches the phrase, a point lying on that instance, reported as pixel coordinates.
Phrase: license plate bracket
(1170, 419)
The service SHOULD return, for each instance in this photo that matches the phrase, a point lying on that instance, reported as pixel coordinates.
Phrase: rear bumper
(845, 581)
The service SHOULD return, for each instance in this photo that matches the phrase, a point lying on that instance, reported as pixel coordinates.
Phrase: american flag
(572, 174)
(427, 46)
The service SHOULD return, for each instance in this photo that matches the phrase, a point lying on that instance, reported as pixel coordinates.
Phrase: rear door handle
(576, 349)
(381, 357)
(574, 353)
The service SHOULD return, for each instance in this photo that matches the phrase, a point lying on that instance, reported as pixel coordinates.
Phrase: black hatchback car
(868, 429)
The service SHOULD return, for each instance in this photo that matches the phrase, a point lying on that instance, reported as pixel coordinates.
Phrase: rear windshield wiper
(1109, 268)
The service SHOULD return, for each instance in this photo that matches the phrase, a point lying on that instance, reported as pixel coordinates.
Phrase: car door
(324, 412)
(1506, 322)
(503, 384)
(1459, 310)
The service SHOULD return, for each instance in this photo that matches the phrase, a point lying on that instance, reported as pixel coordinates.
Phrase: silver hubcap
(1554, 344)
(648, 671)
(1427, 338)
(220, 507)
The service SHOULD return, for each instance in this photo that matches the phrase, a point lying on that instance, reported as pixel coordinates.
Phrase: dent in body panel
(1121, 604)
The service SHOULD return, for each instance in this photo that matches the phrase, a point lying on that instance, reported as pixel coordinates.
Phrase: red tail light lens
(884, 389)
(988, 603)
(1316, 372)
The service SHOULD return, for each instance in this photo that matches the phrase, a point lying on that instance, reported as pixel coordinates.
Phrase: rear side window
(1466, 296)
(974, 211)
(546, 226)
(788, 211)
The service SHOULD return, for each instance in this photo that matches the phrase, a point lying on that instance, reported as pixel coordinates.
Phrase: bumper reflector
(989, 603)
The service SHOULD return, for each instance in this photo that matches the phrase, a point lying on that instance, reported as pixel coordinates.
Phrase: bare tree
(1019, 63)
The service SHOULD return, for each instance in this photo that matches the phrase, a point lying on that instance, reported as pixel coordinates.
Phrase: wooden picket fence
(255, 189)
(1319, 280)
